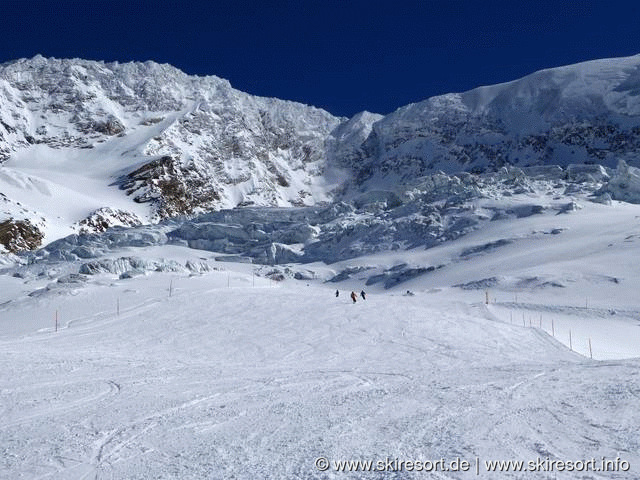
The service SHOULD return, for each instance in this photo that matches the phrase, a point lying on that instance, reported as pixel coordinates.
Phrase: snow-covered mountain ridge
(583, 113)
(178, 143)
(85, 145)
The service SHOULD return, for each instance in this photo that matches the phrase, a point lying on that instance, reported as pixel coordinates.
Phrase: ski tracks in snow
(68, 406)
(257, 383)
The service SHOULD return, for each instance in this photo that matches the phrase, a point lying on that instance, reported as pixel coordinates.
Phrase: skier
(337, 293)
(354, 297)
(363, 295)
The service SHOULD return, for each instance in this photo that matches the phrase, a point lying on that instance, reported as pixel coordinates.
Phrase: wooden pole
(553, 328)
(56, 320)
(524, 324)
(486, 297)
(118, 306)
(170, 287)
(590, 351)
(570, 344)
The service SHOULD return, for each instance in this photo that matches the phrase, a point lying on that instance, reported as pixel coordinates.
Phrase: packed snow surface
(229, 380)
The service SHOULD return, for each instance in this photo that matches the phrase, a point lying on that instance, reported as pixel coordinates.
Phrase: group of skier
(354, 295)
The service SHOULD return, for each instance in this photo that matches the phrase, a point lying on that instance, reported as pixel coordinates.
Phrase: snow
(625, 184)
(257, 381)
(72, 130)
(572, 268)
(501, 321)
(583, 113)
(229, 374)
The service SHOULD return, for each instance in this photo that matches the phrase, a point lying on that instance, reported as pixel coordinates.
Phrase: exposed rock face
(172, 190)
(19, 235)
(105, 218)
(109, 126)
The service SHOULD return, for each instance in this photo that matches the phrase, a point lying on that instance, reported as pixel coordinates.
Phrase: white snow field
(577, 271)
(229, 375)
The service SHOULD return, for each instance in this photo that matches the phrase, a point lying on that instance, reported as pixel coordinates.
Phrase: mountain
(77, 136)
(583, 113)
(86, 145)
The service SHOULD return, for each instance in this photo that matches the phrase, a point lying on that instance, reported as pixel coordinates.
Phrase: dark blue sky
(345, 56)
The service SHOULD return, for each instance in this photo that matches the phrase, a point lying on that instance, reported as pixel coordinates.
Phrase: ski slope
(559, 272)
(227, 375)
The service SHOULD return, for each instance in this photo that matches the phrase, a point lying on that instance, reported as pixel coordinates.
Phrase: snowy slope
(233, 377)
(175, 356)
(574, 270)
